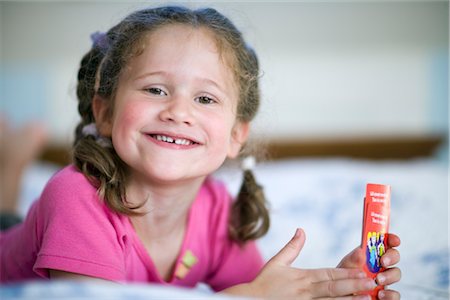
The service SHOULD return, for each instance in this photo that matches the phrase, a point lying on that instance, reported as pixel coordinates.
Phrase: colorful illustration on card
(375, 249)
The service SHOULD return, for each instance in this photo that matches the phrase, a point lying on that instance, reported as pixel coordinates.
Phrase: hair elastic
(248, 163)
(91, 130)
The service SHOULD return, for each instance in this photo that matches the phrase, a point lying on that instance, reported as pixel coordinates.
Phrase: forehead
(183, 40)
(184, 48)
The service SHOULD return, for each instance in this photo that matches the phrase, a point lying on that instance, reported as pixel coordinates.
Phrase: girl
(165, 97)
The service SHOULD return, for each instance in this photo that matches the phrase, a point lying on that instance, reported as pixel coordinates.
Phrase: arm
(355, 259)
(278, 280)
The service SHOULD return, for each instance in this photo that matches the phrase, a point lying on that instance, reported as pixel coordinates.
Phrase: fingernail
(386, 261)
(297, 233)
(380, 279)
(370, 285)
(381, 294)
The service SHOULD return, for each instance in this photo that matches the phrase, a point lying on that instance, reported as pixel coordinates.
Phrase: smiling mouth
(173, 140)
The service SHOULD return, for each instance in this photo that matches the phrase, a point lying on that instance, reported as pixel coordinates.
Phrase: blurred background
(335, 74)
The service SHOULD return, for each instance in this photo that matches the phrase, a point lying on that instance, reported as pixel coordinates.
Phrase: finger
(289, 253)
(338, 288)
(355, 297)
(389, 276)
(319, 275)
(354, 259)
(393, 240)
(390, 258)
(388, 295)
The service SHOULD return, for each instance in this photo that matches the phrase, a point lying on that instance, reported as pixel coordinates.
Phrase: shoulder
(212, 208)
(70, 201)
(67, 179)
(67, 188)
(214, 194)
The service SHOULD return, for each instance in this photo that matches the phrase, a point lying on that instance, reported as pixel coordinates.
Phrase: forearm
(244, 289)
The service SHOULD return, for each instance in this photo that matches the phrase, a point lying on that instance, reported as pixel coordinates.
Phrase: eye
(156, 91)
(205, 100)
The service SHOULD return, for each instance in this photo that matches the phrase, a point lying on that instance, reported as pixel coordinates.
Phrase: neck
(166, 207)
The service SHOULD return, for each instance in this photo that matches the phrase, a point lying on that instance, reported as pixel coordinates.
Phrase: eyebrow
(164, 74)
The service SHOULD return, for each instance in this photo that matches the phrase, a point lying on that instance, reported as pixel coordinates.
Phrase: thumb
(354, 259)
(289, 253)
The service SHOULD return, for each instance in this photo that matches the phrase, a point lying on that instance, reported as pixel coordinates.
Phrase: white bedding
(325, 198)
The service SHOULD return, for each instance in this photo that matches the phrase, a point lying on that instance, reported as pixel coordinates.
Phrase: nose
(178, 110)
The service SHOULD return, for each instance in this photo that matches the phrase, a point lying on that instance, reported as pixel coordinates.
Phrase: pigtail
(93, 154)
(249, 214)
(104, 169)
(86, 88)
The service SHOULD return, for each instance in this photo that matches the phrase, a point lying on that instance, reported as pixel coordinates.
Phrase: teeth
(182, 142)
(168, 139)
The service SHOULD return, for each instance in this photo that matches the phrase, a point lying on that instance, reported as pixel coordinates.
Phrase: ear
(239, 135)
(102, 115)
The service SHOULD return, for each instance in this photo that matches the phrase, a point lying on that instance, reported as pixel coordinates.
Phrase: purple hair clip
(99, 39)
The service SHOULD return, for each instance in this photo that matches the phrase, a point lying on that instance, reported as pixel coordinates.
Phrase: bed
(324, 196)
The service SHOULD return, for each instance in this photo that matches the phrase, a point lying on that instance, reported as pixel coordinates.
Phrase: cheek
(129, 113)
(126, 120)
(222, 130)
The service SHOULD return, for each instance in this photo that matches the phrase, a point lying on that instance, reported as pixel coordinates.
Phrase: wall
(330, 69)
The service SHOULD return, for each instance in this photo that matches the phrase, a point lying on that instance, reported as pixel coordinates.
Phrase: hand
(278, 280)
(356, 259)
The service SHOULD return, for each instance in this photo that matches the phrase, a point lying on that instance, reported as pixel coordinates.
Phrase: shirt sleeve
(77, 233)
(232, 263)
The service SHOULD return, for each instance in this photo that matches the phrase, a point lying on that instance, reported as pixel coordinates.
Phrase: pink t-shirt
(70, 229)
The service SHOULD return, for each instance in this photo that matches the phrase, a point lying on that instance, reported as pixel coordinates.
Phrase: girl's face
(174, 115)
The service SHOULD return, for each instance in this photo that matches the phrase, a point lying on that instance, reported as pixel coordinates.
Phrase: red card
(377, 209)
